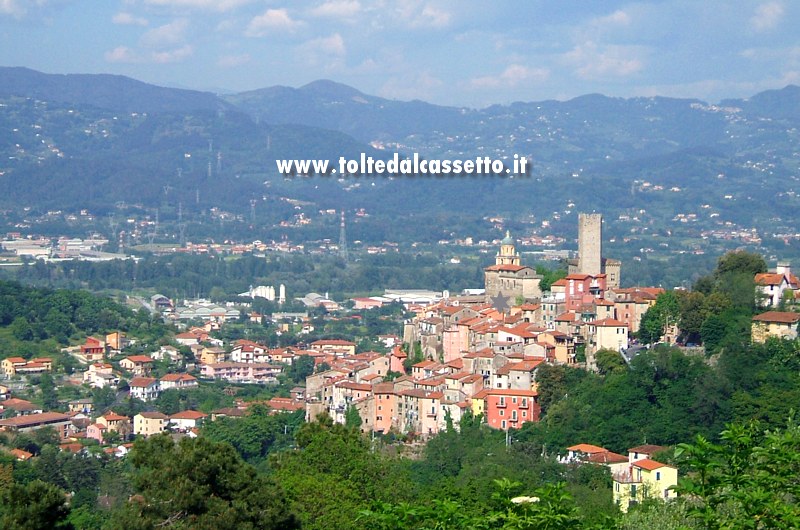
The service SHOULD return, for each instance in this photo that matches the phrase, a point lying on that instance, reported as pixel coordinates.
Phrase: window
(658, 475)
(514, 400)
(513, 415)
(524, 403)
(502, 413)
(503, 424)
(502, 401)
(524, 413)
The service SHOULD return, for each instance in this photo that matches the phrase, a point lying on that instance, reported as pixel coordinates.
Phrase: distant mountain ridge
(659, 155)
(112, 92)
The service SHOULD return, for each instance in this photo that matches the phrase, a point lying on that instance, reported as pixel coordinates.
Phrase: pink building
(509, 409)
(583, 289)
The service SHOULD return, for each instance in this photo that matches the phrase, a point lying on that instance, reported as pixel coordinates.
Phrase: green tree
(610, 362)
(352, 418)
(33, 506)
(747, 481)
(205, 485)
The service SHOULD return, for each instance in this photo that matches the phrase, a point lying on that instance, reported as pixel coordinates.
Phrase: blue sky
(455, 52)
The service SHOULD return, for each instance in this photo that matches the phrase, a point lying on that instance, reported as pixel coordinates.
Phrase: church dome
(508, 240)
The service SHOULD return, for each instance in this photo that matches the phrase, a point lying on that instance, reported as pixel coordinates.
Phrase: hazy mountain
(111, 92)
(69, 141)
(340, 107)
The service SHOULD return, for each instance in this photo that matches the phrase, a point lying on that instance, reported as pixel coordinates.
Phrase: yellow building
(781, 324)
(644, 479)
(149, 423)
(478, 403)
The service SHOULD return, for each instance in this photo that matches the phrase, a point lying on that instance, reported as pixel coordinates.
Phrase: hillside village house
(509, 408)
(100, 375)
(635, 477)
(31, 422)
(772, 287)
(115, 422)
(780, 324)
(140, 365)
(187, 420)
(144, 388)
(643, 479)
(149, 423)
(178, 381)
(12, 366)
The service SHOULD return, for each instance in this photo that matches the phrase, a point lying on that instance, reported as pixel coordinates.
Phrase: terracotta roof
(188, 415)
(178, 377)
(15, 360)
(647, 449)
(509, 268)
(229, 411)
(769, 278)
(512, 392)
(142, 382)
(383, 388)
(351, 385)
(155, 415)
(33, 419)
(607, 457)
(589, 449)
(578, 277)
(18, 404)
(649, 465)
(608, 323)
(21, 454)
(113, 416)
(783, 317)
(139, 359)
(333, 342)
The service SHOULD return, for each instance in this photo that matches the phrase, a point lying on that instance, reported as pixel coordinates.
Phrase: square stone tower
(590, 243)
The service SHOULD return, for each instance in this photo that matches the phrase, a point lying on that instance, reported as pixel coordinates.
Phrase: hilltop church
(507, 280)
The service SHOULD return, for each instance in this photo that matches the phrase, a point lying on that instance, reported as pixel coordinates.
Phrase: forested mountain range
(95, 141)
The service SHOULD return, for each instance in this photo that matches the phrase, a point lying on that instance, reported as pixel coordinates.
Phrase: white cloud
(122, 54)
(166, 35)
(126, 19)
(11, 7)
(512, 76)
(337, 9)
(271, 20)
(172, 56)
(328, 52)
(19, 8)
(593, 62)
(210, 5)
(617, 18)
(231, 61)
(767, 16)
(422, 15)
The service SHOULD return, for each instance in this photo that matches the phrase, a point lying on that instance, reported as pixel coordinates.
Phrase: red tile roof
(649, 465)
(588, 449)
(188, 415)
(783, 317)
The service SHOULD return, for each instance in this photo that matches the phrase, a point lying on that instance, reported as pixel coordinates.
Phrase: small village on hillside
(475, 354)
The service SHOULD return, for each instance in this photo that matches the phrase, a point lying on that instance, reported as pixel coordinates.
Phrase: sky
(451, 52)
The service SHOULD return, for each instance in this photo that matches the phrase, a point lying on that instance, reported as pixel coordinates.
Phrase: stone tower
(508, 254)
(590, 243)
